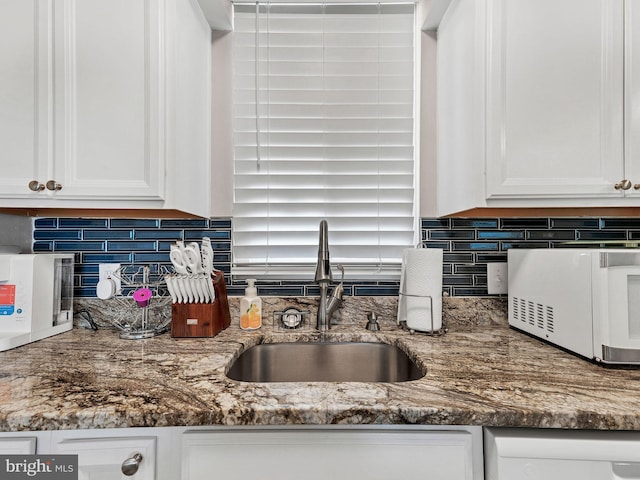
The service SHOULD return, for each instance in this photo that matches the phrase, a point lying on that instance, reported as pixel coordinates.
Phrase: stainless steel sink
(324, 362)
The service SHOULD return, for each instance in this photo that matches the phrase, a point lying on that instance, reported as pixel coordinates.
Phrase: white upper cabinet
(536, 104)
(554, 97)
(105, 104)
(632, 96)
(109, 109)
(25, 126)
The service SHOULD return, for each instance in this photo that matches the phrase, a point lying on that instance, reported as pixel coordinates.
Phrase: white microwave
(36, 297)
(586, 301)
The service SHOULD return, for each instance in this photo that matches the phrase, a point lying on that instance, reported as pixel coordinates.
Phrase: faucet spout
(323, 268)
(323, 278)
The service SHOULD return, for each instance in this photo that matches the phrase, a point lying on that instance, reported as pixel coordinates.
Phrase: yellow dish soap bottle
(250, 307)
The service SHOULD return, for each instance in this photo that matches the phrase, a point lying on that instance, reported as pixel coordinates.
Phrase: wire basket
(137, 321)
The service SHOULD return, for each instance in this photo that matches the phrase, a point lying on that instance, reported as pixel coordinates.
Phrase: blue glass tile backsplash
(468, 244)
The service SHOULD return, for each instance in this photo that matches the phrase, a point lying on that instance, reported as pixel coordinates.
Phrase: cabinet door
(102, 458)
(632, 95)
(321, 454)
(109, 73)
(18, 445)
(554, 119)
(24, 95)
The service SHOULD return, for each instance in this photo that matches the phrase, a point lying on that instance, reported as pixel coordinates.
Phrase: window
(323, 129)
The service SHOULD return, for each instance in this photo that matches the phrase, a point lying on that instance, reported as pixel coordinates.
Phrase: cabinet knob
(130, 465)
(623, 185)
(53, 186)
(35, 186)
(636, 186)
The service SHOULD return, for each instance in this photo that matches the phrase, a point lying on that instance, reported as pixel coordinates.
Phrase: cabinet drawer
(349, 454)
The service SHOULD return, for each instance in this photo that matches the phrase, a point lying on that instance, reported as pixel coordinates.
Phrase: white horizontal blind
(323, 129)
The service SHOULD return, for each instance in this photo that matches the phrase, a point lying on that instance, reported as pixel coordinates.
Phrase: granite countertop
(477, 374)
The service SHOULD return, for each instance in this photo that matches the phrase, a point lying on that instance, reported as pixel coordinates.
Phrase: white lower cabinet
(546, 454)
(110, 458)
(18, 445)
(332, 452)
(106, 454)
(351, 452)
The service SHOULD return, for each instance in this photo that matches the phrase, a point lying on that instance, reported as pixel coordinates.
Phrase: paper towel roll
(420, 302)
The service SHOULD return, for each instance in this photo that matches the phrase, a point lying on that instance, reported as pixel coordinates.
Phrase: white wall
(221, 124)
(428, 126)
(16, 230)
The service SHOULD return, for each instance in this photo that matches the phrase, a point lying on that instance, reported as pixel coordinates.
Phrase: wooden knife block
(202, 319)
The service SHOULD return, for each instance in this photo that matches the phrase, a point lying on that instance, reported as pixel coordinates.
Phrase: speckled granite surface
(456, 310)
(479, 373)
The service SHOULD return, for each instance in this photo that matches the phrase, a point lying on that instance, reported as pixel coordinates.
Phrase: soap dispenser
(250, 307)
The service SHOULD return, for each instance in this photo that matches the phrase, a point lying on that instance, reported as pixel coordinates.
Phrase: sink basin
(324, 362)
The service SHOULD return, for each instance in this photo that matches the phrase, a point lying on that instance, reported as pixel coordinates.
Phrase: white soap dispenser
(250, 307)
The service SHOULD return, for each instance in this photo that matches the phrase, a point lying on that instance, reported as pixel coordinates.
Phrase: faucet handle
(341, 268)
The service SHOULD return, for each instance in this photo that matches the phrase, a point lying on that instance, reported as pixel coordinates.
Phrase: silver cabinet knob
(35, 186)
(53, 186)
(130, 465)
(623, 185)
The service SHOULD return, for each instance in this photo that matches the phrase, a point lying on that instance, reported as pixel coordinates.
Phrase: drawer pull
(130, 465)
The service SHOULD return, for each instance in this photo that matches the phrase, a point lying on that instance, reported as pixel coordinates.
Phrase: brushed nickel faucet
(323, 278)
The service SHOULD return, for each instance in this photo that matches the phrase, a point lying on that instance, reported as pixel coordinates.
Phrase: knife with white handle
(207, 262)
(180, 282)
(176, 288)
(197, 288)
(207, 255)
(205, 290)
(169, 281)
(190, 293)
